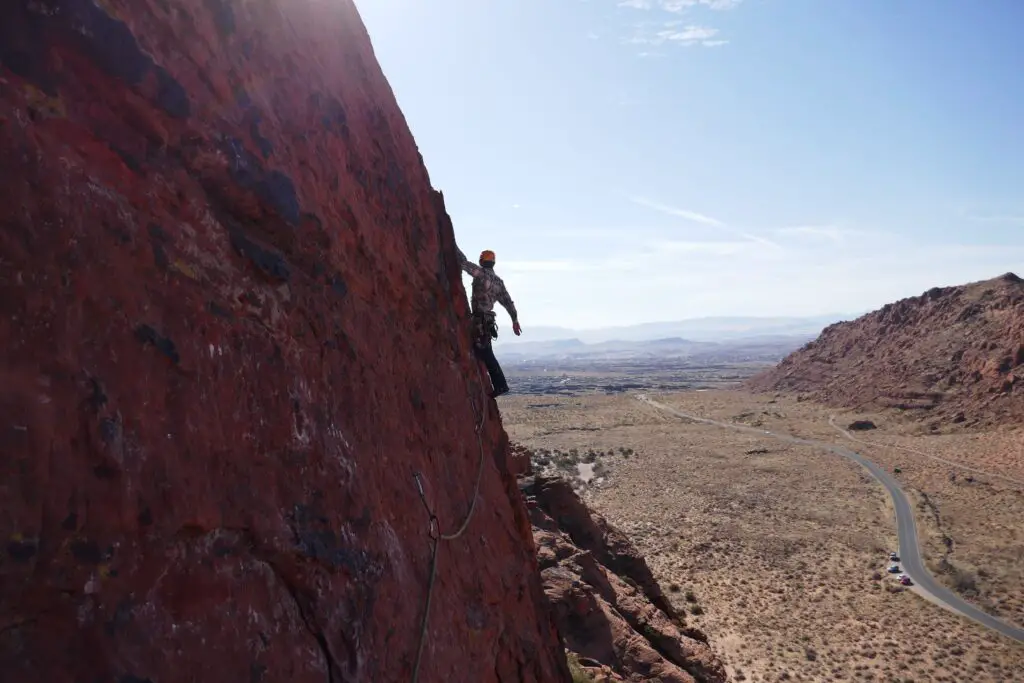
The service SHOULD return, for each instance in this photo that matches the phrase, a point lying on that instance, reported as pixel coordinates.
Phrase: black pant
(485, 352)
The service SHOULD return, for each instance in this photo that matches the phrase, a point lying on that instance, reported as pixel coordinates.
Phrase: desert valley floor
(778, 551)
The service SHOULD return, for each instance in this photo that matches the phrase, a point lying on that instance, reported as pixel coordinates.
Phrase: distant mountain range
(762, 348)
(712, 340)
(710, 329)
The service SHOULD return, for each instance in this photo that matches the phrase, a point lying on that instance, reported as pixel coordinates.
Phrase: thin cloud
(704, 220)
(690, 34)
(679, 6)
(673, 34)
(682, 213)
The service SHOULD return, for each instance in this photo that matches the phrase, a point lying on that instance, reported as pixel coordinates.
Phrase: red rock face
(233, 329)
(954, 355)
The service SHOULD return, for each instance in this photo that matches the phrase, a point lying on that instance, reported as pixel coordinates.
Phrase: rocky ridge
(952, 356)
(613, 616)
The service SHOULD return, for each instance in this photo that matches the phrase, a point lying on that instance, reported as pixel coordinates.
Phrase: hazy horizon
(703, 329)
(640, 160)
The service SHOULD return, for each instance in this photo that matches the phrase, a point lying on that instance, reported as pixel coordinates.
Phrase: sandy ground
(969, 487)
(773, 549)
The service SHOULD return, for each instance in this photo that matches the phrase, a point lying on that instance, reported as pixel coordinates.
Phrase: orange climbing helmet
(486, 255)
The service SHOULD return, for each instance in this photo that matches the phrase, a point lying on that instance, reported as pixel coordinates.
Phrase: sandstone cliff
(233, 331)
(954, 355)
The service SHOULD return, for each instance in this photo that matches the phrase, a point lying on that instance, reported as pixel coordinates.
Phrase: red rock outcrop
(520, 460)
(953, 354)
(233, 328)
(609, 607)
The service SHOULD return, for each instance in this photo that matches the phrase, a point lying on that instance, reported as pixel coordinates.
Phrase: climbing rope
(434, 530)
(435, 538)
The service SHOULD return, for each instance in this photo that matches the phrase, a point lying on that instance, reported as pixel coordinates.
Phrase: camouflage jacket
(488, 288)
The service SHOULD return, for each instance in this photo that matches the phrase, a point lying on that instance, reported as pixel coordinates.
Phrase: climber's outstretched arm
(505, 299)
(466, 264)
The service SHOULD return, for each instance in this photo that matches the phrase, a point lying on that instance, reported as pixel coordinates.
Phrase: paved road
(944, 461)
(909, 550)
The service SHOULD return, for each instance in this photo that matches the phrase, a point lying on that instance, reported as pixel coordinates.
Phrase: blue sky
(641, 160)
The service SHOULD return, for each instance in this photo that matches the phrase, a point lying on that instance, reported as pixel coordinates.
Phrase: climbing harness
(434, 530)
(484, 327)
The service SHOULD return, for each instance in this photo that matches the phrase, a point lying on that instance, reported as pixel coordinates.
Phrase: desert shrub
(696, 610)
(690, 597)
(674, 587)
(648, 632)
(964, 581)
(579, 674)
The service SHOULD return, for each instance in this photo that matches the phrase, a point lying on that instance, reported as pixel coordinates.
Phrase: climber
(488, 288)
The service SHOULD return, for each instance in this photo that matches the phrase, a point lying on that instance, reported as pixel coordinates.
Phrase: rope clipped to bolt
(434, 529)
